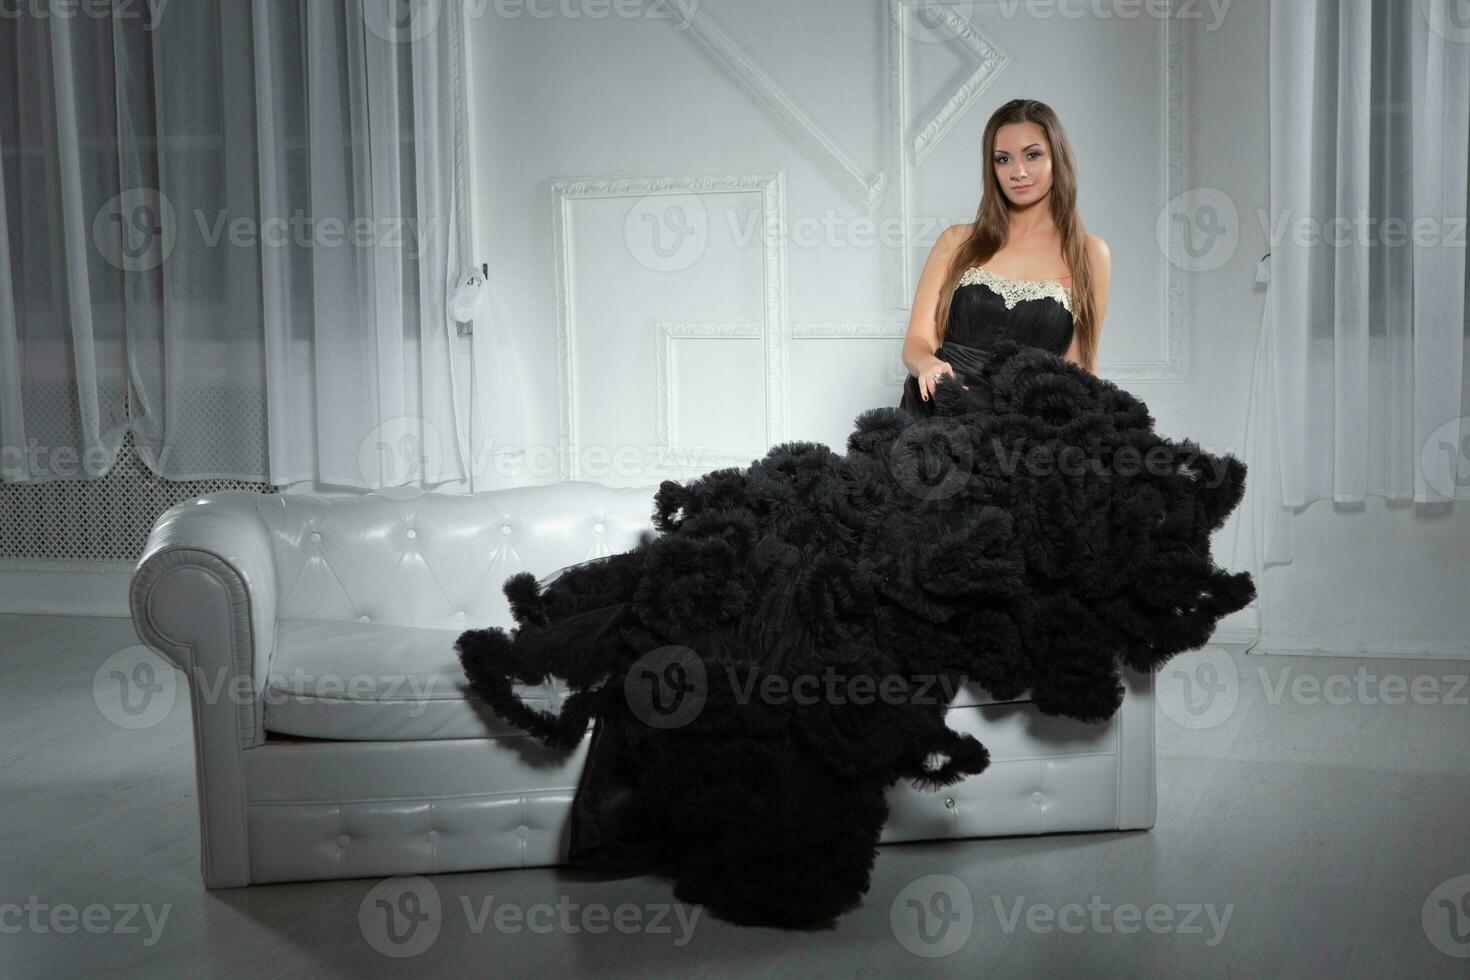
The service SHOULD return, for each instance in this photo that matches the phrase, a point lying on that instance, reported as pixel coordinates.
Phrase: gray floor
(1322, 829)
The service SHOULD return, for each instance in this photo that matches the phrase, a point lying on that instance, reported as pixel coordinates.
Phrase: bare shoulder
(951, 237)
(949, 240)
(1102, 258)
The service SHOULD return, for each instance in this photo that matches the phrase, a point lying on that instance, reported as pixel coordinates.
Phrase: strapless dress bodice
(986, 306)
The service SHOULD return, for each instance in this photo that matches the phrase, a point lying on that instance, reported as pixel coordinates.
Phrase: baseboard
(1241, 628)
(46, 588)
(1232, 636)
(1363, 649)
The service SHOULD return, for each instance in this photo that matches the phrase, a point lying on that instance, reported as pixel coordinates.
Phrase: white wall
(772, 114)
(792, 340)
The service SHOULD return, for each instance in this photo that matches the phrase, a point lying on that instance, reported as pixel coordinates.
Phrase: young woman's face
(1022, 161)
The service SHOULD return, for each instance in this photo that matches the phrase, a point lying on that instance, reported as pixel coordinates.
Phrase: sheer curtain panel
(233, 228)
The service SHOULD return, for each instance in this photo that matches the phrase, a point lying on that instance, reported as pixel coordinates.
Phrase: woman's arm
(1102, 274)
(923, 334)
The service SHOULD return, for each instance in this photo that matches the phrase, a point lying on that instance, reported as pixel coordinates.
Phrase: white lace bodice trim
(1014, 291)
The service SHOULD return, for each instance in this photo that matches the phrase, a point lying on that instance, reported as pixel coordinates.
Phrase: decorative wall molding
(672, 455)
(992, 61)
(1174, 366)
(848, 329)
(905, 153)
(772, 188)
(895, 127)
(887, 330)
(867, 192)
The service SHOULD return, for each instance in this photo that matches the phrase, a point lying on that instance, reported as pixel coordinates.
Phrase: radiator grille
(105, 520)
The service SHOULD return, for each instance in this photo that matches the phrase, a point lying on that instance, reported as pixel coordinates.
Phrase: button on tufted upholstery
(421, 559)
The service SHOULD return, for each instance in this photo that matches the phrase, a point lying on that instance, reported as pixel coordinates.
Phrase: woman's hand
(929, 377)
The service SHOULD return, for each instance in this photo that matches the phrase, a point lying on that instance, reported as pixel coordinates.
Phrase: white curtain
(63, 359)
(1369, 115)
(1262, 533)
(235, 230)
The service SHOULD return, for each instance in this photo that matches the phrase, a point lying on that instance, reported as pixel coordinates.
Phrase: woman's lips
(1023, 188)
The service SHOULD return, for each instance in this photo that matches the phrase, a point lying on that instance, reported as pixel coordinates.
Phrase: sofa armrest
(204, 596)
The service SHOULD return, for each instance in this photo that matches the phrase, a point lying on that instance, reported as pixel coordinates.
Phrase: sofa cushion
(375, 681)
(379, 682)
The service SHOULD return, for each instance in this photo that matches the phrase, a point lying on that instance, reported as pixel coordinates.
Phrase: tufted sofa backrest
(438, 560)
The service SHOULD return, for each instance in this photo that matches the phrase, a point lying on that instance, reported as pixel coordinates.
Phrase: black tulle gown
(988, 306)
(918, 555)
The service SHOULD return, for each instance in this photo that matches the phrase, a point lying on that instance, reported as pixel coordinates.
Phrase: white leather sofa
(333, 738)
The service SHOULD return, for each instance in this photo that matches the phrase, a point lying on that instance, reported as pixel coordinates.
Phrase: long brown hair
(992, 227)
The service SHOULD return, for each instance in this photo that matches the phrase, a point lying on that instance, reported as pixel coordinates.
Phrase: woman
(908, 559)
(1024, 269)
